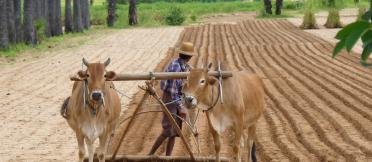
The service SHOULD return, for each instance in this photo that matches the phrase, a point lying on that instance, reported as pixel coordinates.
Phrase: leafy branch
(351, 33)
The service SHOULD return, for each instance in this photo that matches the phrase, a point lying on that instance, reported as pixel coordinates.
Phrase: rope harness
(86, 99)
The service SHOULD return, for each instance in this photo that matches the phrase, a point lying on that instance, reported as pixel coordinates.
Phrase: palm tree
(18, 20)
(28, 21)
(111, 16)
(78, 24)
(4, 41)
(68, 17)
(333, 19)
(132, 12)
(11, 23)
(57, 18)
(85, 13)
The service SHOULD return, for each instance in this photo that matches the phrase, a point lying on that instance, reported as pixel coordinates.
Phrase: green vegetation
(153, 14)
(351, 33)
(175, 16)
(333, 19)
(309, 21)
(74, 39)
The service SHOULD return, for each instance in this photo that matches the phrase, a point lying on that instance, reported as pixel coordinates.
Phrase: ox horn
(86, 63)
(107, 62)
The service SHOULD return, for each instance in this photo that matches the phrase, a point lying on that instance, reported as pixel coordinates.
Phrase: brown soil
(317, 108)
(32, 92)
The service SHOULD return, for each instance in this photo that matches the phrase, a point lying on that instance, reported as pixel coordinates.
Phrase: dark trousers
(268, 6)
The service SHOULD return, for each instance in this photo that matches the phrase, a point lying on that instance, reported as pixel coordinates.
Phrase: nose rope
(218, 98)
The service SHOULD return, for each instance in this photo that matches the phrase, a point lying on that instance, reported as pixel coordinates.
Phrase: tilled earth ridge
(317, 107)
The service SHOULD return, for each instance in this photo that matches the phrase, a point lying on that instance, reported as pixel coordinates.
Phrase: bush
(333, 20)
(40, 30)
(175, 16)
(309, 21)
(122, 1)
(361, 12)
(293, 5)
(193, 18)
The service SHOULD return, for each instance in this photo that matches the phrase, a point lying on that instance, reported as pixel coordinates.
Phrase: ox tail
(64, 106)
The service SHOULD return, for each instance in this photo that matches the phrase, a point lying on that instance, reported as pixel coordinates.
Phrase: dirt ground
(317, 107)
(32, 92)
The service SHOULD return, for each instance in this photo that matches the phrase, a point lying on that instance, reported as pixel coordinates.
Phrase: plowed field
(317, 108)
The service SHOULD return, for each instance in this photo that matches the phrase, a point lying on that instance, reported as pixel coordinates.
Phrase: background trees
(111, 15)
(30, 20)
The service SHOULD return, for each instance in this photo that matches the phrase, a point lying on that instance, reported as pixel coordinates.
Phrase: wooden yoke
(164, 75)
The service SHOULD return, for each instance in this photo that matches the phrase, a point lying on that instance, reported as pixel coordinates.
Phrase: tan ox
(98, 116)
(243, 103)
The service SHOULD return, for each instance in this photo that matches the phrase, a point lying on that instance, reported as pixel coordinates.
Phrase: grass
(152, 15)
(63, 41)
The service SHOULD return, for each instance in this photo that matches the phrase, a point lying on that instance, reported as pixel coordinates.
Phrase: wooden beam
(164, 75)
(147, 158)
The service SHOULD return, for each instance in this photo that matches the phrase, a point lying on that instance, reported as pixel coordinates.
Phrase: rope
(121, 93)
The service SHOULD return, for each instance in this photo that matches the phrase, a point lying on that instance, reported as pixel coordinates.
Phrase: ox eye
(202, 81)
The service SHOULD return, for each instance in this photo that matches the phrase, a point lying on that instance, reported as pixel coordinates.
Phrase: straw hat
(187, 48)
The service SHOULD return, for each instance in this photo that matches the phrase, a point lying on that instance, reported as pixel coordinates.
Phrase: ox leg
(217, 144)
(237, 144)
(90, 145)
(250, 141)
(80, 140)
(103, 142)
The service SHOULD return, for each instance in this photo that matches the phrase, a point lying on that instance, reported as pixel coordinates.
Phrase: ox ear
(209, 66)
(82, 74)
(110, 75)
(212, 80)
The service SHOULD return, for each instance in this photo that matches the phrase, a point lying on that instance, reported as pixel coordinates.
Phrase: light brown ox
(243, 104)
(99, 116)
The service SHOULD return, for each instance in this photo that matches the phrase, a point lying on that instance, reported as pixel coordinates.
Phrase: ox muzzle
(190, 101)
(97, 96)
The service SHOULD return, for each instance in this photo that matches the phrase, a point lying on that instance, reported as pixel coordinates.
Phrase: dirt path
(317, 107)
(31, 92)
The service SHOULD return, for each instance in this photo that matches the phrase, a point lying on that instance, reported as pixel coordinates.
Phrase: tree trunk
(46, 13)
(78, 24)
(4, 41)
(111, 17)
(85, 13)
(38, 14)
(11, 22)
(57, 18)
(18, 20)
(51, 17)
(268, 6)
(68, 17)
(132, 12)
(278, 7)
(29, 28)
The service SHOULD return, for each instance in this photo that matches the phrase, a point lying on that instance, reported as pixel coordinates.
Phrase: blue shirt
(174, 87)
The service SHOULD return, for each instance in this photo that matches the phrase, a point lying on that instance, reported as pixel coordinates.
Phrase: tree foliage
(351, 33)
(30, 21)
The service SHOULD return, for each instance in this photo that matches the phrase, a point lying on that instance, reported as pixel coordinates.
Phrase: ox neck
(212, 98)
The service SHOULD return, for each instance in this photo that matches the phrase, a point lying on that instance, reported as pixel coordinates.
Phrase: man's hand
(182, 115)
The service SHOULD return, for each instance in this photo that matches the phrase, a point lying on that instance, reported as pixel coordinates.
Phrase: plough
(150, 91)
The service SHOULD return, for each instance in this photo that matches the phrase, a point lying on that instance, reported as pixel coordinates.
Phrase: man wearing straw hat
(172, 96)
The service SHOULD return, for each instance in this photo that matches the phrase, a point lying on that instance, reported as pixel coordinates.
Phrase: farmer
(172, 94)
